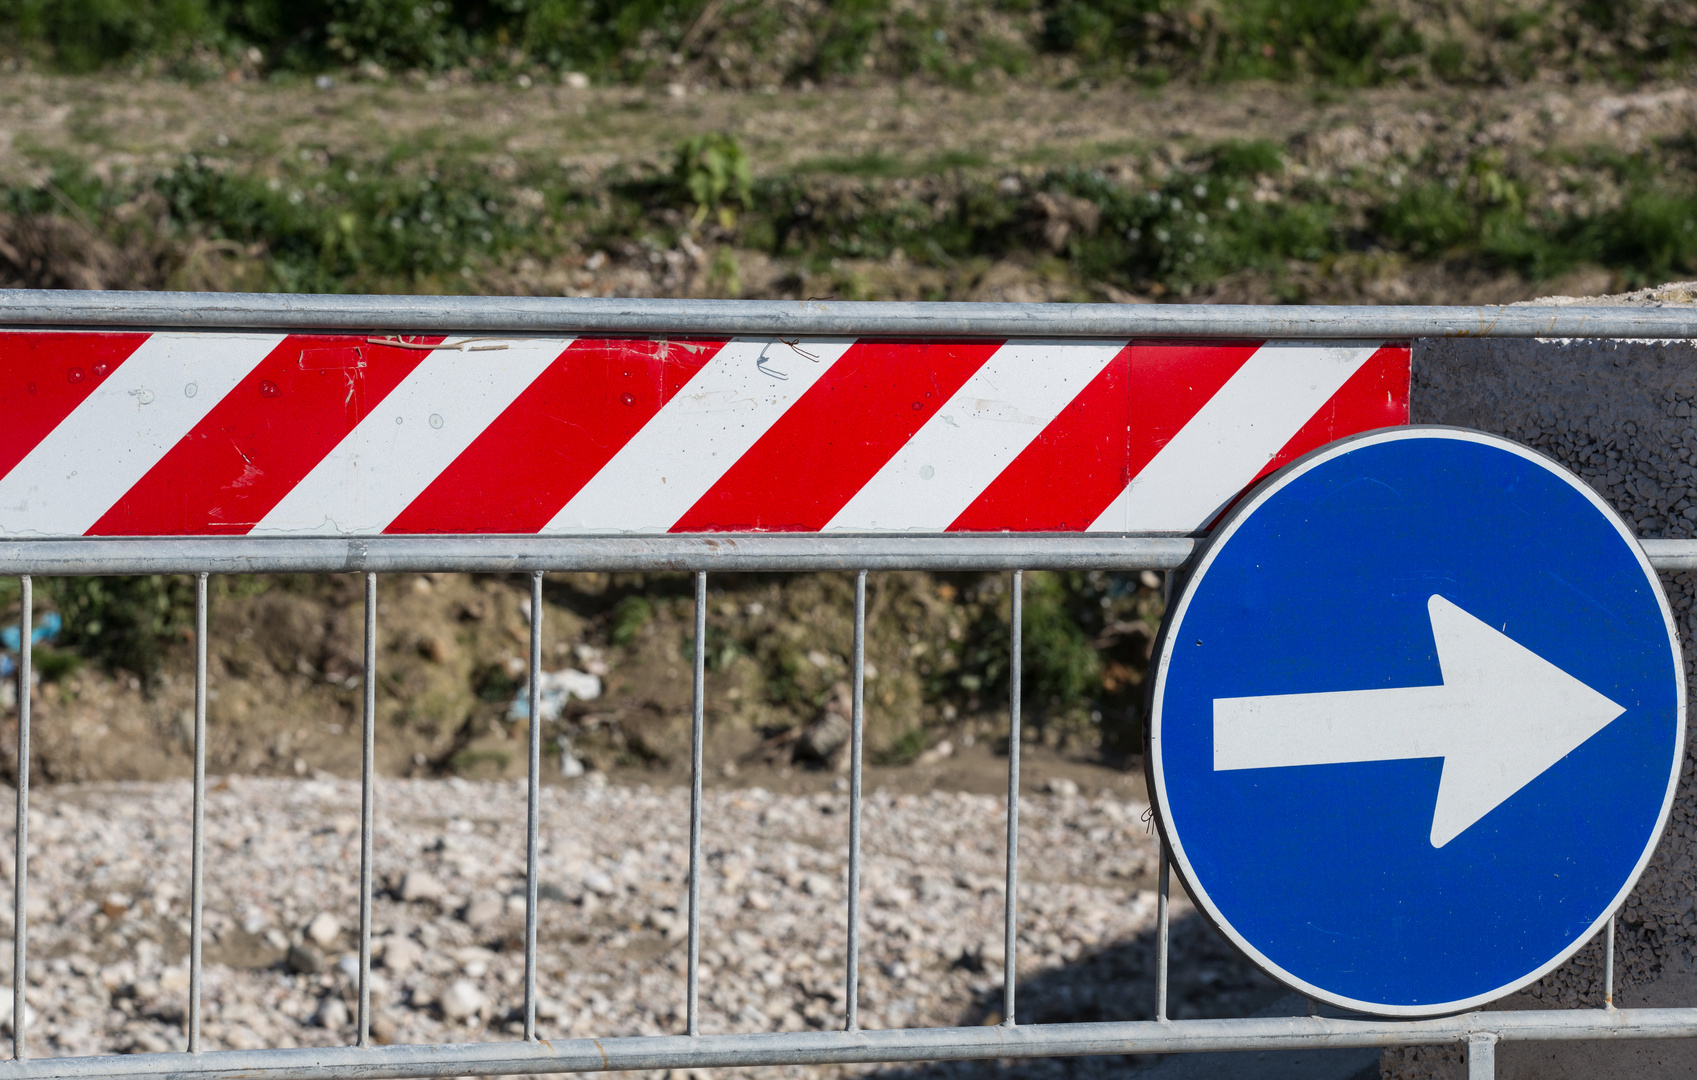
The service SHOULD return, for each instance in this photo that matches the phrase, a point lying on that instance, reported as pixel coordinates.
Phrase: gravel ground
(109, 881)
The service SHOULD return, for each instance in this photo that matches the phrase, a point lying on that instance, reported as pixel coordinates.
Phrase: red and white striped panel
(106, 434)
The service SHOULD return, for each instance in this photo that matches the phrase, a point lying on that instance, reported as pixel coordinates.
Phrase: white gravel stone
(324, 929)
(332, 1014)
(6, 1012)
(401, 955)
(463, 999)
(483, 911)
(612, 915)
(418, 885)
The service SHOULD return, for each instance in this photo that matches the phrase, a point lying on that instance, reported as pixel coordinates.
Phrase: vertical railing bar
(692, 1018)
(197, 871)
(368, 780)
(1161, 937)
(1010, 906)
(1482, 1056)
(533, 822)
(1609, 964)
(857, 728)
(20, 877)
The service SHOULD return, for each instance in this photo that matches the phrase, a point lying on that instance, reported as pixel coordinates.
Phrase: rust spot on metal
(605, 1064)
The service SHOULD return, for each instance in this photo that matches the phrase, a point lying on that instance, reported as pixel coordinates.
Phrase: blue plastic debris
(557, 688)
(48, 630)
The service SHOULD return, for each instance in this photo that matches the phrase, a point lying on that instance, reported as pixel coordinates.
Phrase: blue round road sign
(1416, 721)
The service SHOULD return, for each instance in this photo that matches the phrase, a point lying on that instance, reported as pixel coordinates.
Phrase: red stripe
(555, 436)
(262, 439)
(1375, 396)
(837, 436)
(1085, 457)
(44, 376)
(1170, 384)
(1069, 473)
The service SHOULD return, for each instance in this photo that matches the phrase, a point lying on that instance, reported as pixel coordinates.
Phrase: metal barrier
(1478, 1032)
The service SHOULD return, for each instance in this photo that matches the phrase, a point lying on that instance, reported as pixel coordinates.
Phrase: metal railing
(1478, 1032)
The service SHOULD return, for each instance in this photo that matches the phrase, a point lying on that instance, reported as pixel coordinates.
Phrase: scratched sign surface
(117, 434)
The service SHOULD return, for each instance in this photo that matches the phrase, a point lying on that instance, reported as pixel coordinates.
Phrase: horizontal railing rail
(701, 552)
(717, 552)
(585, 315)
(886, 1045)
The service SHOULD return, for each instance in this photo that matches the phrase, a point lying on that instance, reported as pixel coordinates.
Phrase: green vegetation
(122, 622)
(629, 617)
(438, 222)
(749, 42)
(712, 171)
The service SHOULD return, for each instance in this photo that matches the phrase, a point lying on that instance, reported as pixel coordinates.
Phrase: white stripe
(122, 429)
(714, 420)
(405, 443)
(1232, 437)
(987, 423)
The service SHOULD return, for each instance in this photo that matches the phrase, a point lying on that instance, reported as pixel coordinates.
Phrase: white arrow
(1501, 717)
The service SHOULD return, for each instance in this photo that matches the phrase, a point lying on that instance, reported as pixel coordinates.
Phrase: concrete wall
(1623, 415)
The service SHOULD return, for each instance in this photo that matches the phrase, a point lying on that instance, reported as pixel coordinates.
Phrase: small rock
(115, 906)
(324, 929)
(474, 961)
(113, 977)
(598, 882)
(822, 738)
(1060, 785)
(332, 1014)
(462, 1000)
(142, 1040)
(937, 753)
(483, 911)
(401, 954)
(894, 897)
(418, 885)
(6, 1012)
(437, 648)
(819, 885)
(304, 960)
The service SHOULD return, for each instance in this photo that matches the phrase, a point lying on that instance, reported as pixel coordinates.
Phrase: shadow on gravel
(1207, 978)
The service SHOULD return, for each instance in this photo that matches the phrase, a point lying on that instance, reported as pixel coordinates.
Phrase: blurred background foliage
(1346, 42)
